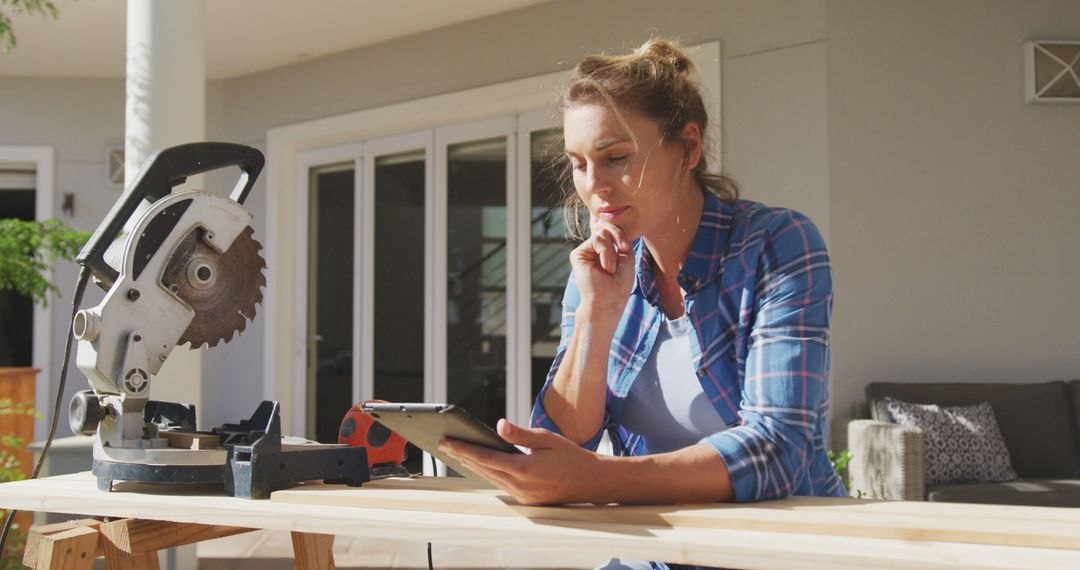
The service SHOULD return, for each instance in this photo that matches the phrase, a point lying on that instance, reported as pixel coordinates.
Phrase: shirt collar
(702, 264)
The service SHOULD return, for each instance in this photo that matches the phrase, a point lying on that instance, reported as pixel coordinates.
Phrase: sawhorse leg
(127, 544)
(68, 546)
(313, 551)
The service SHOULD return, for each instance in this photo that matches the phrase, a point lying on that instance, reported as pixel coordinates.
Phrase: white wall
(955, 205)
(775, 126)
(532, 41)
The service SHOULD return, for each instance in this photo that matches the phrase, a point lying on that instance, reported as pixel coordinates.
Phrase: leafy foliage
(10, 470)
(840, 463)
(26, 250)
(7, 34)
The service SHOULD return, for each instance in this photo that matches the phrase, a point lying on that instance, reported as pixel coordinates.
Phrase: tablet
(425, 425)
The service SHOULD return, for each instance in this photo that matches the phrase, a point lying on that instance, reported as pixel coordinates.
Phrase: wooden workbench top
(806, 532)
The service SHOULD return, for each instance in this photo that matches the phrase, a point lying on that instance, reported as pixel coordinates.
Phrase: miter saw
(182, 267)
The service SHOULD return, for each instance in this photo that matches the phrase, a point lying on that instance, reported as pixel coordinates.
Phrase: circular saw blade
(222, 288)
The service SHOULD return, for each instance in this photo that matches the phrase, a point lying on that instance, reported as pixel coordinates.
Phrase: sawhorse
(130, 544)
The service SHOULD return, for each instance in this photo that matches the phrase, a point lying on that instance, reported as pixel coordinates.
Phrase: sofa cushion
(1074, 392)
(1036, 420)
(963, 443)
(1031, 492)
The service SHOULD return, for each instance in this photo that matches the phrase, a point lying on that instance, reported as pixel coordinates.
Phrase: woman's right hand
(603, 268)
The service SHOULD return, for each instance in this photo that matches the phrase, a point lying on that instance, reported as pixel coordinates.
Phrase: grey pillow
(963, 443)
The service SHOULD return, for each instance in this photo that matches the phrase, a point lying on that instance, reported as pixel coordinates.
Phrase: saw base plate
(256, 463)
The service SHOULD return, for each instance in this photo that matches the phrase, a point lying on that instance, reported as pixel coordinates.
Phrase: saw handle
(160, 173)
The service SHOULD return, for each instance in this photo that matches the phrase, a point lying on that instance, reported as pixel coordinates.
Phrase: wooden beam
(73, 549)
(136, 536)
(313, 551)
(116, 559)
(32, 549)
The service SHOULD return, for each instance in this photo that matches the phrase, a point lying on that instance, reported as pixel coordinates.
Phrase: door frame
(43, 160)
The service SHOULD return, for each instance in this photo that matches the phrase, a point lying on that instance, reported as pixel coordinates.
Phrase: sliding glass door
(437, 274)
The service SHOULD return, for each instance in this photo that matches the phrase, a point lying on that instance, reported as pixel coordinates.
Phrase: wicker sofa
(1040, 424)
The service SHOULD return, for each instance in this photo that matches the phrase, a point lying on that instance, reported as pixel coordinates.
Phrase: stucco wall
(955, 204)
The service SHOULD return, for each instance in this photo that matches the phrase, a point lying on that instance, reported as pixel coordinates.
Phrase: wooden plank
(189, 440)
(32, 548)
(135, 536)
(433, 483)
(313, 551)
(603, 539)
(833, 518)
(73, 549)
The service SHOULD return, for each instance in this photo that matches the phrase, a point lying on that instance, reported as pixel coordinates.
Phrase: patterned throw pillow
(963, 443)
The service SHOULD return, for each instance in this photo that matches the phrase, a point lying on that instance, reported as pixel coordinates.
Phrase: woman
(695, 328)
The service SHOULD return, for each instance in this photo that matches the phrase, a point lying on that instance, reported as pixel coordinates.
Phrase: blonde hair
(655, 80)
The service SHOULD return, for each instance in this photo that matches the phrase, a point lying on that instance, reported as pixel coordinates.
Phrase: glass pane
(399, 277)
(476, 275)
(550, 251)
(330, 299)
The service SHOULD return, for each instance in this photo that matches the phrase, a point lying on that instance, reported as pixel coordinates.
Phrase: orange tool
(385, 449)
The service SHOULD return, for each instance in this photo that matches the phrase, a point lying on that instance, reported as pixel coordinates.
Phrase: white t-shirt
(666, 404)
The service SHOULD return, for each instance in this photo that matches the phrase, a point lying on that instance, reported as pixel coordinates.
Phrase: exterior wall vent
(114, 171)
(1052, 71)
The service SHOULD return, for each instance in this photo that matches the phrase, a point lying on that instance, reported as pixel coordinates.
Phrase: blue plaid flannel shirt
(759, 295)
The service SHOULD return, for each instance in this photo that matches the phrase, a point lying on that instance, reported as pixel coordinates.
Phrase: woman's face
(622, 171)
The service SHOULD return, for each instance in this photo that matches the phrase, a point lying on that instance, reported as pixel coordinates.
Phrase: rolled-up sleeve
(787, 364)
(571, 299)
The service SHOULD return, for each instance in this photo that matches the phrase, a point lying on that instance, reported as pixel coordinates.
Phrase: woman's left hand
(554, 471)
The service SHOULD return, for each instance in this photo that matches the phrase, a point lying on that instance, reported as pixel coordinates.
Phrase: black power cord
(76, 300)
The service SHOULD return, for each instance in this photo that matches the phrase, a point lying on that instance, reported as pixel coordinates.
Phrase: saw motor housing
(124, 341)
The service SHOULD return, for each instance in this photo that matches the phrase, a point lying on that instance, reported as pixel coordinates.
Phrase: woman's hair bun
(669, 53)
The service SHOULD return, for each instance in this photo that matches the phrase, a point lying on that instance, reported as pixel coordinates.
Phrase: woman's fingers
(605, 246)
(605, 253)
(612, 233)
(486, 463)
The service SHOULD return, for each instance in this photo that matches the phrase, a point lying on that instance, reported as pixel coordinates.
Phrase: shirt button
(701, 372)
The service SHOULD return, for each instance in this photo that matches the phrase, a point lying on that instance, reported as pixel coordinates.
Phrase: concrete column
(166, 78)
(166, 106)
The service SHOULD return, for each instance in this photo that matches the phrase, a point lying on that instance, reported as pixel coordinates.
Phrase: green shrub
(27, 248)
